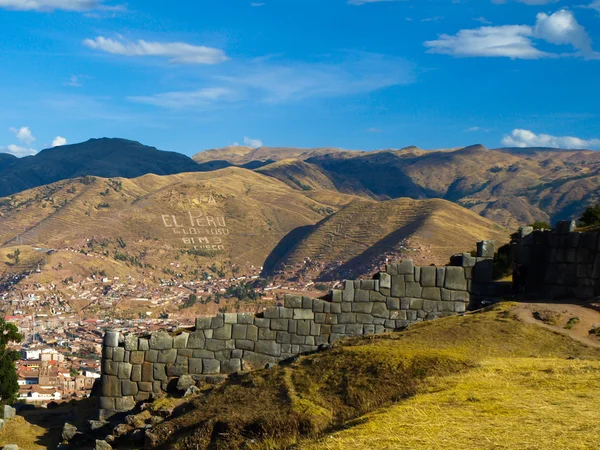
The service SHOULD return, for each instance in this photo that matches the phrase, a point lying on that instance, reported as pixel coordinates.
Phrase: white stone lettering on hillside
(202, 227)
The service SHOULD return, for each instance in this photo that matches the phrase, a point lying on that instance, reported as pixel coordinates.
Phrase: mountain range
(325, 213)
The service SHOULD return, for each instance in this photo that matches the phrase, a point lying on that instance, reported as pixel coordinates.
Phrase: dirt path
(555, 316)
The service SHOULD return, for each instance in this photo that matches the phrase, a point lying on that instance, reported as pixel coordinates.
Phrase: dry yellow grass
(26, 435)
(506, 403)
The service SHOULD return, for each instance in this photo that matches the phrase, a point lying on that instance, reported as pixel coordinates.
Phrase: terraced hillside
(176, 222)
(511, 186)
(358, 238)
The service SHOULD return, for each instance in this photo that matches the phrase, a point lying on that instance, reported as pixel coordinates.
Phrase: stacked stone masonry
(561, 263)
(135, 368)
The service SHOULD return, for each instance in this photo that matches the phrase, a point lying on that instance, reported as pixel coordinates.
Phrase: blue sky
(357, 74)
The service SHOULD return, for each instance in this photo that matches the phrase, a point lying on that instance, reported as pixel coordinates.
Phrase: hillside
(512, 186)
(156, 224)
(241, 155)
(361, 236)
(98, 157)
(480, 381)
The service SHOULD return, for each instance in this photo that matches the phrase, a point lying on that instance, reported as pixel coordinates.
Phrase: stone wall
(135, 368)
(561, 263)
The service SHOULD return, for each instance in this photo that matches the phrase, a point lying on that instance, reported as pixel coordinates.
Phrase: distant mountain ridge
(98, 157)
(512, 186)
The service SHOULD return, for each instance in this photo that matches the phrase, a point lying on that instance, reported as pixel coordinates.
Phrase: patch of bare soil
(571, 319)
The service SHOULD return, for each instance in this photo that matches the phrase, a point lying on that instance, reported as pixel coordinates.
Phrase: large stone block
(195, 366)
(118, 354)
(385, 280)
(380, 310)
(131, 342)
(245, 318)
(223, 333)
(244, 344)
(263, 323)
(143, 344)
(167, 356)
(252, 333)
(271, 313)
(137, 357)
(230, 318)
(161, 340)
(147, 372)
(203, 323)
(362, 307)
(239, 331)
(231, 366)
(110, 367)
(367, 285)
(440, 276)
(375, 296)
(129, 387)
(347, 318)
(124, 403)
(107, 403)
(136, 372)
(265, 334)
(406, 268)
(364, 318)
(292, 301)
(485, 249)
(159, 371)
(348, 292)
(279, 324)
(283, 337)
(270, 348)
(218, 321)
(361, 295)
(303, 327)
(336, 295)
(304, 314)
(413, 289)
(111, 386)
(196, 340)
(432, 293)
(124, 371)
(181, 340)
(455, 279)
(111, 339)
(428, 275)
(211, 366)
(354, 329)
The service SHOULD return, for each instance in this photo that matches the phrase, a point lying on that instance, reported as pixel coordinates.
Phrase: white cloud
(58, 141)
(269, 81)
(483, 20)
(23, 134)
(51, 5)
(561, 28)
(252, 142)
(517, 41)
(17, 150)
(526, 138)
(594, 5)
(184, 99)
(512, 41)
(74, 81)
(179, 52)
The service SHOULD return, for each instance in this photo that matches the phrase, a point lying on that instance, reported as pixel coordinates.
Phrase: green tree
(590, 217)
(17, 256)
(9, 386)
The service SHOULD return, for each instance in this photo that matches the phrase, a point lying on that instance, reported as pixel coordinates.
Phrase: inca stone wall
(561, 263)
(134, 368)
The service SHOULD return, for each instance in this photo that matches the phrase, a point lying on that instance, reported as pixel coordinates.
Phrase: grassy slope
(259, 211)
(533, 396)
(484, 380)
(365, 230)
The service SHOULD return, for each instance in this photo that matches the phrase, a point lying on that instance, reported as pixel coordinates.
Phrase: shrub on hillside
(590, 217)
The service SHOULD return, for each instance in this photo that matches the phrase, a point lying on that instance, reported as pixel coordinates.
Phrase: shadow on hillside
(364, 262)
(53, 419)
(284, 246)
